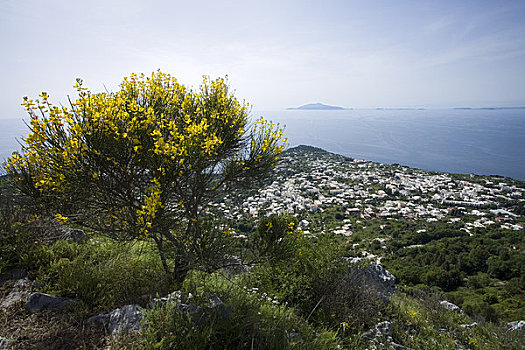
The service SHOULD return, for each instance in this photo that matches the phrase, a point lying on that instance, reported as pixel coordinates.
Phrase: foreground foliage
(308, 301)
(256, 321)
(144, 162)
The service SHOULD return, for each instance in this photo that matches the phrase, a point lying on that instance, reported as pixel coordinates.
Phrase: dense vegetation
(482, 273)
(291, 291)
(306, 297)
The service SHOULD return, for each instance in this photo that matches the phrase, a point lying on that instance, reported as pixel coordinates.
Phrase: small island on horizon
(316, 107)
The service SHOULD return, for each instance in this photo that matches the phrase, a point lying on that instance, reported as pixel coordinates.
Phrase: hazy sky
(277, 54)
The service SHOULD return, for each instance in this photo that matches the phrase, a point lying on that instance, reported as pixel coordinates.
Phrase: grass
(101, 273)
(63, 329)
(251, 320)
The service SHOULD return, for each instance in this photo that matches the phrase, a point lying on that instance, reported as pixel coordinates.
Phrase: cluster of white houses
(310, 181)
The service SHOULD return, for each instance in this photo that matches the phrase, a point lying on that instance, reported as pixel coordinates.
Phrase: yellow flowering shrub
(277, 237)
(145, 160)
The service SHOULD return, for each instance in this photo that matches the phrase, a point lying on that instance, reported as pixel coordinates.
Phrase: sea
(466, 141)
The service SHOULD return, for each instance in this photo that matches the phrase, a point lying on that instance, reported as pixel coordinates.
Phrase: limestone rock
(375, 274)
(452, 307)
(19, 292)
(12, 299)
(3, 343)
(22, 285)
(382, 329)
(76, 235)
(127, 318)
(382, 333)
(177, 296)
(382, 277)
(516, 325)
(469, 326)
(39, 301)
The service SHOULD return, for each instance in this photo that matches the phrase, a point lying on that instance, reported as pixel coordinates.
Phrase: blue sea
(477, 141)
(489, 142)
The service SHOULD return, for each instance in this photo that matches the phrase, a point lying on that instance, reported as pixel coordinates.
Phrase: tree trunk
(160, 248)
(180, 271)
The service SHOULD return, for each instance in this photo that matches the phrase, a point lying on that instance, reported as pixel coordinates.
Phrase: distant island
(316, 107)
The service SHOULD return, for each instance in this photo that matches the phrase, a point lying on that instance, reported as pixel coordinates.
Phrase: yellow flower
(60, 218)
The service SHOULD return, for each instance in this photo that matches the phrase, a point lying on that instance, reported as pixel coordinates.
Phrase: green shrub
(102, 274)
(320, 285)
(480, 280)
(417, 320)
(480, 309)
(14, 243)
(255, 322)
(420, 322)
(276, 238)
(146, 159)
(21, 232)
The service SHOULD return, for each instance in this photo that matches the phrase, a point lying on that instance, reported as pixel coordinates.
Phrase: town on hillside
(309, 180)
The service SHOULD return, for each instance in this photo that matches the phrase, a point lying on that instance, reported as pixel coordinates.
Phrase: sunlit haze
(277, 54)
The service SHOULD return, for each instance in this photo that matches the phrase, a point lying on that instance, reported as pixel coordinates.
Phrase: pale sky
(277, 54)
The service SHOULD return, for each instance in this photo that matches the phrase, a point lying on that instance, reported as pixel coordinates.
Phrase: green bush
(21, 232)
(255, 322)
(14, 243)
(101, 274)
(480, 309)
(420, 322)
(418, 318)
(320, 285)
(480, 280)
(276, 238)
